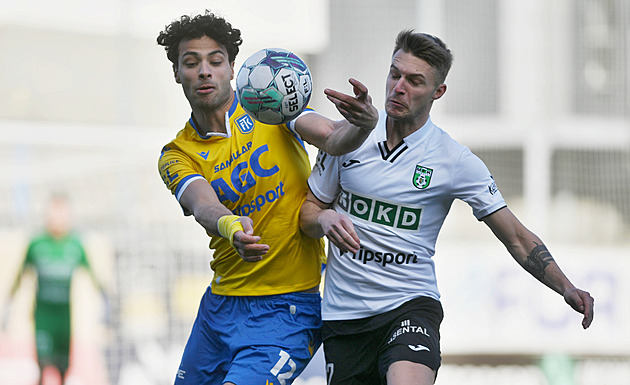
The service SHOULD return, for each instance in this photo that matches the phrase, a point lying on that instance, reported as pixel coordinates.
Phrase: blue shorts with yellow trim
(251, 340)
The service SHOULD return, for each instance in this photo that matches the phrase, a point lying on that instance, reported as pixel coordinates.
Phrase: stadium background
(540, 90)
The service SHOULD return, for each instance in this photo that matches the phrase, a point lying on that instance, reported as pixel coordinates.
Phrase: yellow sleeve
(177, 170)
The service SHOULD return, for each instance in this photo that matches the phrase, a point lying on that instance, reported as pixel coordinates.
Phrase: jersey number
(284, 358)
(330, 369)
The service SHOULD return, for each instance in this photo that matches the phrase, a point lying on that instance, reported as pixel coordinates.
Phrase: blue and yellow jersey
(260, 171)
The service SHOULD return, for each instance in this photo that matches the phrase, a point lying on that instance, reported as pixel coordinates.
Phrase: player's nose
(204, 70)
(400, 86)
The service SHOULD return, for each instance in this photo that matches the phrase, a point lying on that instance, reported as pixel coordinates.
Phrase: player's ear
(232, 68)
(176, 74)
(439, 91)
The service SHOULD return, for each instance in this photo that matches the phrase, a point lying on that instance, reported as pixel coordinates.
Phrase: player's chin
(395, 110)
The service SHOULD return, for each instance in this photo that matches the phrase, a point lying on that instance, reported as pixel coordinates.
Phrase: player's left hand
(582, 302)
(357, 109)
(340, 231)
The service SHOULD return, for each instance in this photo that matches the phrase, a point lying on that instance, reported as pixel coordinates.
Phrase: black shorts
(359, 352)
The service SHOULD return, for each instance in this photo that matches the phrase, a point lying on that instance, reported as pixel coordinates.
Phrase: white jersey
(398, 200)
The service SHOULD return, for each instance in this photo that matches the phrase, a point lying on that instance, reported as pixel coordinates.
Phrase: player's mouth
(395, 104)
(204, 89)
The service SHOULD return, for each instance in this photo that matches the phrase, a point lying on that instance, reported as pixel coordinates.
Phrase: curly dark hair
(208, 24)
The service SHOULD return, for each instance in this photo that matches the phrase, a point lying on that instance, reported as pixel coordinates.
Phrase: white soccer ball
(274, 86)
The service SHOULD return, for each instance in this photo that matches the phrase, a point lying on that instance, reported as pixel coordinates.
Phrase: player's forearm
(208, 216)
(527, 249)
(536, 259)
(200, 200)
(309, 220)
(345, 137)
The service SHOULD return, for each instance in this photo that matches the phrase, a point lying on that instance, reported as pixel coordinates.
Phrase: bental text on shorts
(406, 327)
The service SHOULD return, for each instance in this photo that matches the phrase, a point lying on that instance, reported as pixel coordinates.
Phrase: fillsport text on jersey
(262, 199)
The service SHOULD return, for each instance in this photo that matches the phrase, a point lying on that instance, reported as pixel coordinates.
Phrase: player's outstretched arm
(531, 253)
(200, 199)
(317, 220)
(342, 136)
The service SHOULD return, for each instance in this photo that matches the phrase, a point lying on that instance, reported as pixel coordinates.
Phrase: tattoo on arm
(537, 261)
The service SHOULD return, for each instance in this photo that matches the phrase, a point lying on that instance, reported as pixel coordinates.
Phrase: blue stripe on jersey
(291, 127)
(296, 136)
(181, 186)
(192, 123)
(233, 106)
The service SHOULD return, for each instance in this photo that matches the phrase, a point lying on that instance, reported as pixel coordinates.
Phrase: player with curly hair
(244, 183)
(198, 26)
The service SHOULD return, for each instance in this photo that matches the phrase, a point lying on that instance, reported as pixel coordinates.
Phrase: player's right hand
(357, 109)
(246, 243)
(340, 231)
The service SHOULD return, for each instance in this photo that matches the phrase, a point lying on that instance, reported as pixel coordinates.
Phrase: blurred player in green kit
(54, 255)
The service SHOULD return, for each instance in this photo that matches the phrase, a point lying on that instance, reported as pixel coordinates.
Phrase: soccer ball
(274, 86)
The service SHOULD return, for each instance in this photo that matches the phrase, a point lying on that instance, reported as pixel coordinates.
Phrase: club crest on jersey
(422, 177)
(245, 124)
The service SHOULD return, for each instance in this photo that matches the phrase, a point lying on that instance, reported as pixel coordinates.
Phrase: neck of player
(211, 119)
(398, 129)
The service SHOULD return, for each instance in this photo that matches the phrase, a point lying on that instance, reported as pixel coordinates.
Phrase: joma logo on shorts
(381, 212)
